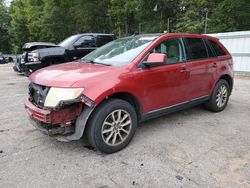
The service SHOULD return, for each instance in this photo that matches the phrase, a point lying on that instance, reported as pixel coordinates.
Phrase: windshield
(68, 41)
(119, 52)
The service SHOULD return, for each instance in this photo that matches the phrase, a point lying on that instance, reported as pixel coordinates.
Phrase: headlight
(56, 95)
(35, 56)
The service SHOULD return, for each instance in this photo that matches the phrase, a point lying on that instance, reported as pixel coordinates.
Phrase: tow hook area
(52, 131)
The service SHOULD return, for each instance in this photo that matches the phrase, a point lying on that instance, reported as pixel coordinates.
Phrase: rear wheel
(112, 126)
(220, 96)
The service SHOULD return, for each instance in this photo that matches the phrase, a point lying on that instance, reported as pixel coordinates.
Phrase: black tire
(212, 104)
(96, 125)
(27, 70)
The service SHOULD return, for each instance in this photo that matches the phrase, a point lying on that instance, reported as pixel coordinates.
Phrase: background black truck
(72, 48)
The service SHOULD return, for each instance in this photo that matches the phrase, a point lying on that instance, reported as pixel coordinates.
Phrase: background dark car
(72, 48)
(2, 59)
(28, 47)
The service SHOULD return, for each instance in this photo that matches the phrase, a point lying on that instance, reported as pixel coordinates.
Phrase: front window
(68, 41)
(173, 49)
(85, 42)
(119, 52)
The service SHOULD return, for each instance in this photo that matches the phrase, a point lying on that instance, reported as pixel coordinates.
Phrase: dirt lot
(191, 148)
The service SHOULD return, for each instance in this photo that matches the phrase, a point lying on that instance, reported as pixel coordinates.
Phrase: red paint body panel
(154, 88)
(61, 116)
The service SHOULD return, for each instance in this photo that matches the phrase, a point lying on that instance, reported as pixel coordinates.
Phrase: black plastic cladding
(37, 94)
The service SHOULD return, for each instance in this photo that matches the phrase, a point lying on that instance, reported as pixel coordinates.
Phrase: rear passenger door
(200, 78)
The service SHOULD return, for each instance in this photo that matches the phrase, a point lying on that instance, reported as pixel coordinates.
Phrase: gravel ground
(191, 148)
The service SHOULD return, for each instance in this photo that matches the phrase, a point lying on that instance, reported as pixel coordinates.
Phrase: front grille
(29, 57)
(37, 94)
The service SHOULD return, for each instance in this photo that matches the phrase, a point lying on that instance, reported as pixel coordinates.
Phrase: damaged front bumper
(54, 122)
(65, 124)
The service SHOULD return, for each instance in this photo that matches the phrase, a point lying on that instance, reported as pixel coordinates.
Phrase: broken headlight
(57, 95)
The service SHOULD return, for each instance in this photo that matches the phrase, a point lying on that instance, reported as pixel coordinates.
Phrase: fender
(81, 123)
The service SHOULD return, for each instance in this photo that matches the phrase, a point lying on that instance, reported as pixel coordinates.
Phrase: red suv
(127, 81)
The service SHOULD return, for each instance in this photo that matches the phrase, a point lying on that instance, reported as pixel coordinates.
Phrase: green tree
(34, 13)
(53, 21)
(154, 15)
(19, 31)
(4, 23)
(57, 20)
(231, 15)
(192, 15)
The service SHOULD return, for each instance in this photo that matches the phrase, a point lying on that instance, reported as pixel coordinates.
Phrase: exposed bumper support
(51, 132)
(61, 116)
(44, 120)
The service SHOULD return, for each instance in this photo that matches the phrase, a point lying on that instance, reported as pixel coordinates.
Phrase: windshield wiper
(93, 62)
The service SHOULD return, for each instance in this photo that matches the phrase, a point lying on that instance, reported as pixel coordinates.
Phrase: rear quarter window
(217, 49)
(101, 40)
(196, 48)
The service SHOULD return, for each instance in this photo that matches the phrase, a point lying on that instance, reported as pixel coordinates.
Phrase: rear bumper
(53, 122)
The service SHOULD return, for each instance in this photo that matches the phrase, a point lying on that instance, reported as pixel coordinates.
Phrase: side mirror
(155, 59)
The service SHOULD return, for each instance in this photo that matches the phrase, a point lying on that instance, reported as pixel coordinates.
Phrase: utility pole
(161, 26)
(139, 28)
(168, 25)
(206, 20)
(120, 33)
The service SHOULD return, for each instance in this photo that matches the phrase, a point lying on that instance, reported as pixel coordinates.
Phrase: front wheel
(112, 126)
(220, 96)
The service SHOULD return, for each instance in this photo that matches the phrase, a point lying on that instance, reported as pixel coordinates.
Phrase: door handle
(214, 65)
(183, 68)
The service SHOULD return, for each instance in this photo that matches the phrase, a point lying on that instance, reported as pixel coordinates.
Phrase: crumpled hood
(75, 74)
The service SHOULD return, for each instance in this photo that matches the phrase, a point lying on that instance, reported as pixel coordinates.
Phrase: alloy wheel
(221, 96)
(116, 127)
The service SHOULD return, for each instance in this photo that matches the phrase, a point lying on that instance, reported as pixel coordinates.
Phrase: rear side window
(196, 48)
(217, 49)
(101, 40)
(210, 50)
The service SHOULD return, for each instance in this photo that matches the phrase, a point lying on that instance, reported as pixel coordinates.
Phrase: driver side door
(165, 86)
(82, 47)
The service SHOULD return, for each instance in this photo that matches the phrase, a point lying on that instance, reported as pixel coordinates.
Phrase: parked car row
(39, 54)
(6, 58)
(2, 59)
(108, 92)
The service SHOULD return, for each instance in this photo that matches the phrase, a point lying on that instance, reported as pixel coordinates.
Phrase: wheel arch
(130, 98)
(123, 95)
(229, 79)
